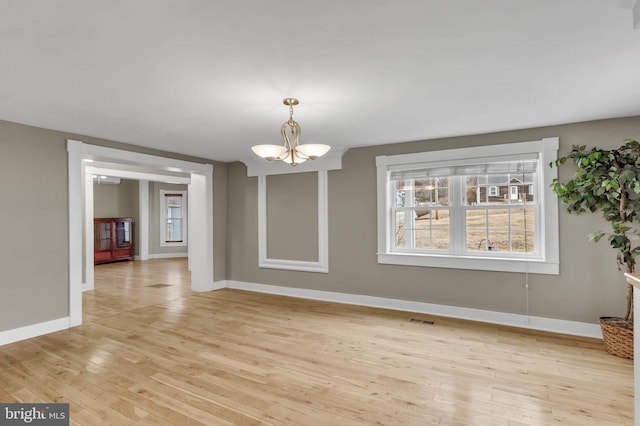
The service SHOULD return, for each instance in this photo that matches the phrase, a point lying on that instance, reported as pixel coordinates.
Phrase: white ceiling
(207, 78)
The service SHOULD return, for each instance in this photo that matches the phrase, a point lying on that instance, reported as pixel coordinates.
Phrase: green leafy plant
(607, 182)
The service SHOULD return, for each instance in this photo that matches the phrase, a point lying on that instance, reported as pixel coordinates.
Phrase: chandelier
(291, 151)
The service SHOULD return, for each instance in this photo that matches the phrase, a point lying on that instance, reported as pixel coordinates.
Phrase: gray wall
(34, 249)
(292, 217)
(154, 218)
(34, 260)
(589, 284)
(220, 236)
(110, 200)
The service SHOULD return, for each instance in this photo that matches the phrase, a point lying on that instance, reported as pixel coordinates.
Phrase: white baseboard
(515, 320)
(208, 286)
(34, 330)
(167, 255)
(220, 285)
(88, 287)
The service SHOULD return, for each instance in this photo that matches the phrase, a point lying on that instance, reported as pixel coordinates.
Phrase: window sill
(181, 244)
(533, 266)
(294, 265)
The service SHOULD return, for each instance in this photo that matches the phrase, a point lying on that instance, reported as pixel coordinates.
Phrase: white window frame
(494, 191)
(545, 262)
(163, 219)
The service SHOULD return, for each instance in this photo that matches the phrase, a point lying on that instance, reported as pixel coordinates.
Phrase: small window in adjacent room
(173, 223)
(486, 208)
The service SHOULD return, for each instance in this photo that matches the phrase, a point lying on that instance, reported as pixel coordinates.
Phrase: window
(487, 208)
(173, 222)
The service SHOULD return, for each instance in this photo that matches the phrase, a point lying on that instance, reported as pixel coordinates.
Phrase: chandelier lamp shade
(291, 151)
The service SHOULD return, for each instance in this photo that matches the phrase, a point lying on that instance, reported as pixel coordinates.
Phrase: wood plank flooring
(151, 352)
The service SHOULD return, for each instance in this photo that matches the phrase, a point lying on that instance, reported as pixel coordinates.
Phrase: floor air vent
(422, 321)
(159, 285)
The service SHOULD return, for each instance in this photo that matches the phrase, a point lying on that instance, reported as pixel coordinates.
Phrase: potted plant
(608, 182)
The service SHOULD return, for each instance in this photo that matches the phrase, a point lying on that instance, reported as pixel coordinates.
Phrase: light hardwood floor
(152, 352)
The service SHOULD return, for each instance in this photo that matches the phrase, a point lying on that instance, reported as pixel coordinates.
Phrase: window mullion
(457, 215)
(390, 203)
(410, 216)
(510, 223)
(540, 211)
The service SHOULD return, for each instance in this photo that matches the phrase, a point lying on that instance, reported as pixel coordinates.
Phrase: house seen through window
(490, 200)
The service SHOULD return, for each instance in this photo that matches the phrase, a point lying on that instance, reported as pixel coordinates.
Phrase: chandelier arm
(285, 137)
(295, 131)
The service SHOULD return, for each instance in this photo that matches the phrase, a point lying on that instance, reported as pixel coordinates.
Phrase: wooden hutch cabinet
(112, 240)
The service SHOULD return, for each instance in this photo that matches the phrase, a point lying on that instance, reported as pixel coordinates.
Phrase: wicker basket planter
(618, 336)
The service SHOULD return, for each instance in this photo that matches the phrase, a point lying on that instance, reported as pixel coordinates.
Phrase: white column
(74, 149)
(88, 231)
(143, 226)
(189, 223)
(201, 224)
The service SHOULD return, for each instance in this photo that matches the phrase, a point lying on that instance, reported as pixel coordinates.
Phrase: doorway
(200, 191)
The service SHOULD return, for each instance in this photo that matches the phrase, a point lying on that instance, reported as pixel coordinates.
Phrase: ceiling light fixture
(291, 151)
